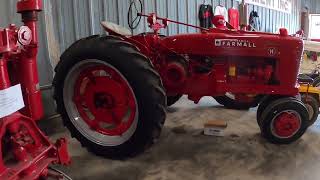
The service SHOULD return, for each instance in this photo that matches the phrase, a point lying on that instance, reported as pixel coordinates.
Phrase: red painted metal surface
(318, 40)
(286, 124)
(110, 109)
(219, 60)
(153, 19)
(25, 152)
(29, 5)
(219, 22)
(27, 65)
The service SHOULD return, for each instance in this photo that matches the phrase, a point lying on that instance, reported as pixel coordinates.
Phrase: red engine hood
(233, 43)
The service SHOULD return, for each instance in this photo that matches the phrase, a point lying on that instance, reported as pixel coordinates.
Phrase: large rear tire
(109, 96)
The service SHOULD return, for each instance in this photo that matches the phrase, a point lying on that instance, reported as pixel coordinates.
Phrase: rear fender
(131, 39)
(142, 48)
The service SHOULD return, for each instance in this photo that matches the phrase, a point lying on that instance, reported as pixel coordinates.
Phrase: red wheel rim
(104, 100)
(286, 124)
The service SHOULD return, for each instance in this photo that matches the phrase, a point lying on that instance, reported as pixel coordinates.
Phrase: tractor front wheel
(262, 106)
(110, 97)
(284, 121)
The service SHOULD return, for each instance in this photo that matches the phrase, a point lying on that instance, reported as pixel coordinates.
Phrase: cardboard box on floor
(215, 128)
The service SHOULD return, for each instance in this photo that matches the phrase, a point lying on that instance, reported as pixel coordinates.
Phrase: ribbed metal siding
(74, 19)
(313, 5)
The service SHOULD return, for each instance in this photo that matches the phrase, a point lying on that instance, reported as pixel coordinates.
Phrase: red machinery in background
(26, 152)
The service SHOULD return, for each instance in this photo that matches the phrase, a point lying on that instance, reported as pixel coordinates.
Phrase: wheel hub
(286, 124)
(103, 96)
(104, 100)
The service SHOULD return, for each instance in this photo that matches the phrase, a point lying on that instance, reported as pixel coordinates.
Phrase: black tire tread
(264, 103)
(171, 100)
(150, 78)
(264, 125)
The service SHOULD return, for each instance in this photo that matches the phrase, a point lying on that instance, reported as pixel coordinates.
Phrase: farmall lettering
(234, 43)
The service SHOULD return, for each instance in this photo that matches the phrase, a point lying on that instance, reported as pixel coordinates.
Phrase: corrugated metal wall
(65, 21)
(79, 18)
(313, 5)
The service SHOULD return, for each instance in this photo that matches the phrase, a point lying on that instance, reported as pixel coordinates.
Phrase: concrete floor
(184, 153)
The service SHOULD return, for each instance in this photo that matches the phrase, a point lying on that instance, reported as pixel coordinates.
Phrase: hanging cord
(65, 176)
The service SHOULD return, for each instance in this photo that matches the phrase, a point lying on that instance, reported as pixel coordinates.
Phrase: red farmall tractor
(25, 152)
(113, 90)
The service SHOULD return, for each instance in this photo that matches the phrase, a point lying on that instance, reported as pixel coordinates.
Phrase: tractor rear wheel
(171, 100)
(312, 105)
(110, 97)
(284, 121)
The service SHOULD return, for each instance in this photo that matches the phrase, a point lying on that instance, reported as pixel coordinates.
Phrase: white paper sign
(279, 5)
(11, 100)
(314, 20)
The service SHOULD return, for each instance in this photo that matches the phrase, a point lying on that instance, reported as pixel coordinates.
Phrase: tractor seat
(116, 28)
(302, 78)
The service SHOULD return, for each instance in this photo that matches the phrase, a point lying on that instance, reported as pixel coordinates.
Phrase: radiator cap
(283, 32)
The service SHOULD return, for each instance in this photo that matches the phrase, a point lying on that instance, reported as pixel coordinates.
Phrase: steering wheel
(133, 18)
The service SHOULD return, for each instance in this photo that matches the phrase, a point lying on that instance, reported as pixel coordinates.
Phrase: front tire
(284, 121)
(110, 97)
(262, 106)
